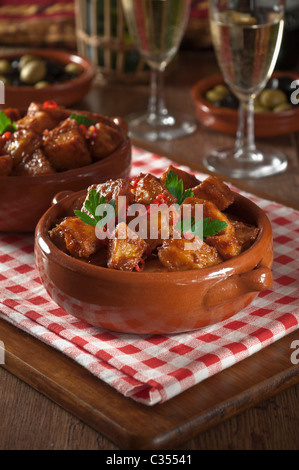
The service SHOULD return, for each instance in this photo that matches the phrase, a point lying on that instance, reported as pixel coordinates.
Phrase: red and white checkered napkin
(153, 369)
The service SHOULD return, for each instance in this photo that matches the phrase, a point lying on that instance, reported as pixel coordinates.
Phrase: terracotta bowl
(23, 199)
(226, 120)
(65, 93)
(157, 302)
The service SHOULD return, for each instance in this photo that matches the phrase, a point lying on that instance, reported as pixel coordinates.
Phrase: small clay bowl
(153, 302)
(64, 93)
(24, 199)
(225, 120)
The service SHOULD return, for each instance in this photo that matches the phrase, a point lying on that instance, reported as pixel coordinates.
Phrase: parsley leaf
(6, 124)
(202, 228)
(176, 188)
(91, 204)
(81, 119)
(212, 227)
(85, 218)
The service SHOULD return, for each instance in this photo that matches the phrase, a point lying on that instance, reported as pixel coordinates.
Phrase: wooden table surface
(29, 420)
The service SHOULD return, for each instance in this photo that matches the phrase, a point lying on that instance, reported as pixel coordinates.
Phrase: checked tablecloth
(153, 369)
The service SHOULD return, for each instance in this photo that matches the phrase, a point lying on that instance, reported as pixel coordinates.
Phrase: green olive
(4, 80)
(24, 59)
(42, 84)
(33, 72)
(272, 98)
(260, 109)
(73, 69)
(5, 66)
(282, 107)
(213, 96)
(221, 90)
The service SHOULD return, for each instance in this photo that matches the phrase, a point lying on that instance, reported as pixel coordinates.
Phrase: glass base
(165, 127)
(259, 164)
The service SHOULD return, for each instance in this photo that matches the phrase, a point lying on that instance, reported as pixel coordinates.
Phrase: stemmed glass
(157, 28)
(247, 37)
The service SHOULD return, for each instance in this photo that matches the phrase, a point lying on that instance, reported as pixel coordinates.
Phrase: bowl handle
(256, 280)
(59, 196)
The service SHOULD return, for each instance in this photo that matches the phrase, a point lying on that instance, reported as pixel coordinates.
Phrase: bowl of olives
(42, 74)
(276, 111)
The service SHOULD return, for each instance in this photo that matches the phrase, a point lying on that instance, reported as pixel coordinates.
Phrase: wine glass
(247, 37)
(157, 28)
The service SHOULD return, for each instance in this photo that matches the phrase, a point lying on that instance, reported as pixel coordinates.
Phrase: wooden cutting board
(131, 425)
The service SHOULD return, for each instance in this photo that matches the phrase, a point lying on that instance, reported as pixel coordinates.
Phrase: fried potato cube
(22, 142)
(38, 118)
(112, 189)
(34, 165)
(148, 188)
(103, 140)
(189, 180)
(125, 248)
(57, 114)
(214, 190)
(38, 122)
(12, 113)
(225, 241)
(245, 233)
(160, 221)
(58, 238)
(65, 147)
(6, 164)
(80, 238)
(181, 254)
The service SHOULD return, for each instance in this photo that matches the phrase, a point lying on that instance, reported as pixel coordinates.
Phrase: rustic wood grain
(169, 425)
(31, 421)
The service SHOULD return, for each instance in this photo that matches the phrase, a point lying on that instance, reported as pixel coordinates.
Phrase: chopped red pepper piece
(92, 132)
(50, 104)
(82, 128)
(160, 199)
(140, 265)
(135, 182)
(6, 135)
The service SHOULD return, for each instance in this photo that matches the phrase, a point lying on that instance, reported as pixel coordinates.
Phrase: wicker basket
(103, 38)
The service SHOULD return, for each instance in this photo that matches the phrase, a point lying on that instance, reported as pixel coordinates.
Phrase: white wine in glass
(247, 36)
(157, 28)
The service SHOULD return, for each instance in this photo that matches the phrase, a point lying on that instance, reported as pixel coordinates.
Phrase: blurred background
(97, 30)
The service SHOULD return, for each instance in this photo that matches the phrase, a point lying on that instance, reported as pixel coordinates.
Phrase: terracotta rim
(226, 267)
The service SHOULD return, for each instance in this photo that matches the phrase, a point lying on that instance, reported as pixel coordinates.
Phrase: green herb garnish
(81, 119)
(203, 228)
(176, 187)
(91, 204)
(6, 125)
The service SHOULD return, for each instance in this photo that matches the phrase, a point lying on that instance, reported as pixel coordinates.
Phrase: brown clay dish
(23, 199)
(153, 302)
(267, 124)
(65, 93)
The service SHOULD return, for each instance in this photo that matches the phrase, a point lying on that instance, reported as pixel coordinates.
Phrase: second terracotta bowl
(157, 302)
(266, 124)
(24, 199)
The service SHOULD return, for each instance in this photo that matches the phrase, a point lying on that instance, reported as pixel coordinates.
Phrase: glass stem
(245, 141)
(156, 107)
